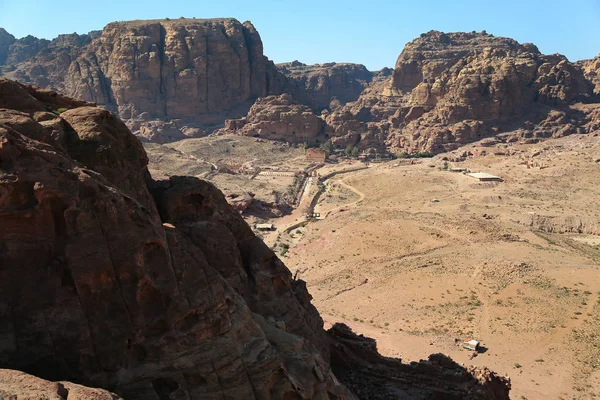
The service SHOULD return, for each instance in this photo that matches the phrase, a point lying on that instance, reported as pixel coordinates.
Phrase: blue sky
(370, 32)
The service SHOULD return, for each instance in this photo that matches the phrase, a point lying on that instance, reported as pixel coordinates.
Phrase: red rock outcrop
(449, 89)
(150, 289)
(327, 86)
(591, 68)
(103, 287)
(178, 74)
(279, 118)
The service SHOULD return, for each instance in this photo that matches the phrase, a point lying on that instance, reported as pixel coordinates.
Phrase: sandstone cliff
(155, 290)
(160, 293)
(327, 86)
(278, 118)
(591, 68)
(179, 75)
(449, 89)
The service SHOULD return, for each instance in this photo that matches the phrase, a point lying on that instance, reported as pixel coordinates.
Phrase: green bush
(327, 147)
(423, 154)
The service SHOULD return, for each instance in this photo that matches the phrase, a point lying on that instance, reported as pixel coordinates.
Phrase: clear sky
(370, 32)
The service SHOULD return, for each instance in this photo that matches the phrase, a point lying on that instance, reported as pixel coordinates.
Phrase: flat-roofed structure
(264, 227)
(484, 177)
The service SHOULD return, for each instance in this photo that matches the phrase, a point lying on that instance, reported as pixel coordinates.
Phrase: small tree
(327, 147)
(348, 150)
(354, 152)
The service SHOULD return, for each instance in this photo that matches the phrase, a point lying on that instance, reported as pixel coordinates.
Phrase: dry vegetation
(514, 264)
(418, 256)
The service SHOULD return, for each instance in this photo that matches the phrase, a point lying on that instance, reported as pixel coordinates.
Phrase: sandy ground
(418, 257)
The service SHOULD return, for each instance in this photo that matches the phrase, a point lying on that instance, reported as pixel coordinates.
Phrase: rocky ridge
(168, 79)
(450, 89)
(328, 86)
(278, 118)
(154, 289)
(591, 69)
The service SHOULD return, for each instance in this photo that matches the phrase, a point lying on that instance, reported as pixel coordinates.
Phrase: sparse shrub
(423, 154)
(517, 365)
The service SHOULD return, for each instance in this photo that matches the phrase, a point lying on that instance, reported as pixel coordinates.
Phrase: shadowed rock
(152, 290)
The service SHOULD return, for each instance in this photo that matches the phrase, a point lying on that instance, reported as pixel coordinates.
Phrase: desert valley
(182, 218)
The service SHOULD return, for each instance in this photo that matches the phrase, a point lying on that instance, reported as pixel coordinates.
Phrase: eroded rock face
(155, 290)
(591, 69)
(182, 72)
(188, 68)
(103, 287)
(279, 118)
(449, 89)
(327, 86)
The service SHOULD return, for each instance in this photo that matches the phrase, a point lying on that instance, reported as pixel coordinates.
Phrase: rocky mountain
(330, 85)
(159, 289)
(449, 89)
(591, 69)
(278, 118)
(173, 79)
(180, 75)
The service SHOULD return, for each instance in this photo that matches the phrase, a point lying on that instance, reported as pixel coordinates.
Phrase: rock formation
(174, 79)
(151, 289)
(158, 293)
(591, 68)
(178, 73)
(18, 385)
(330, 85)
(6, 40)
(449, 89)
(279, 118)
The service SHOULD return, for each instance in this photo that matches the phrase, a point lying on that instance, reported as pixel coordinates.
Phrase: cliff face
(194, 69)
(327, 86)
(180, 75)
(448, 89)
(591, 68)
(278, 118)
(161, 293)
(153, 290)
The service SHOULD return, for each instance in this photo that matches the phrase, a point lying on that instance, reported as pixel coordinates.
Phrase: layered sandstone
(167, 78)
(591, 68)
(153, 289)
(158, 293)
(327, 86)
(449, 89)
(279, 118)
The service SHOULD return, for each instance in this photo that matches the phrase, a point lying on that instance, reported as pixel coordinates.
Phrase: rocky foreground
(160, 290)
